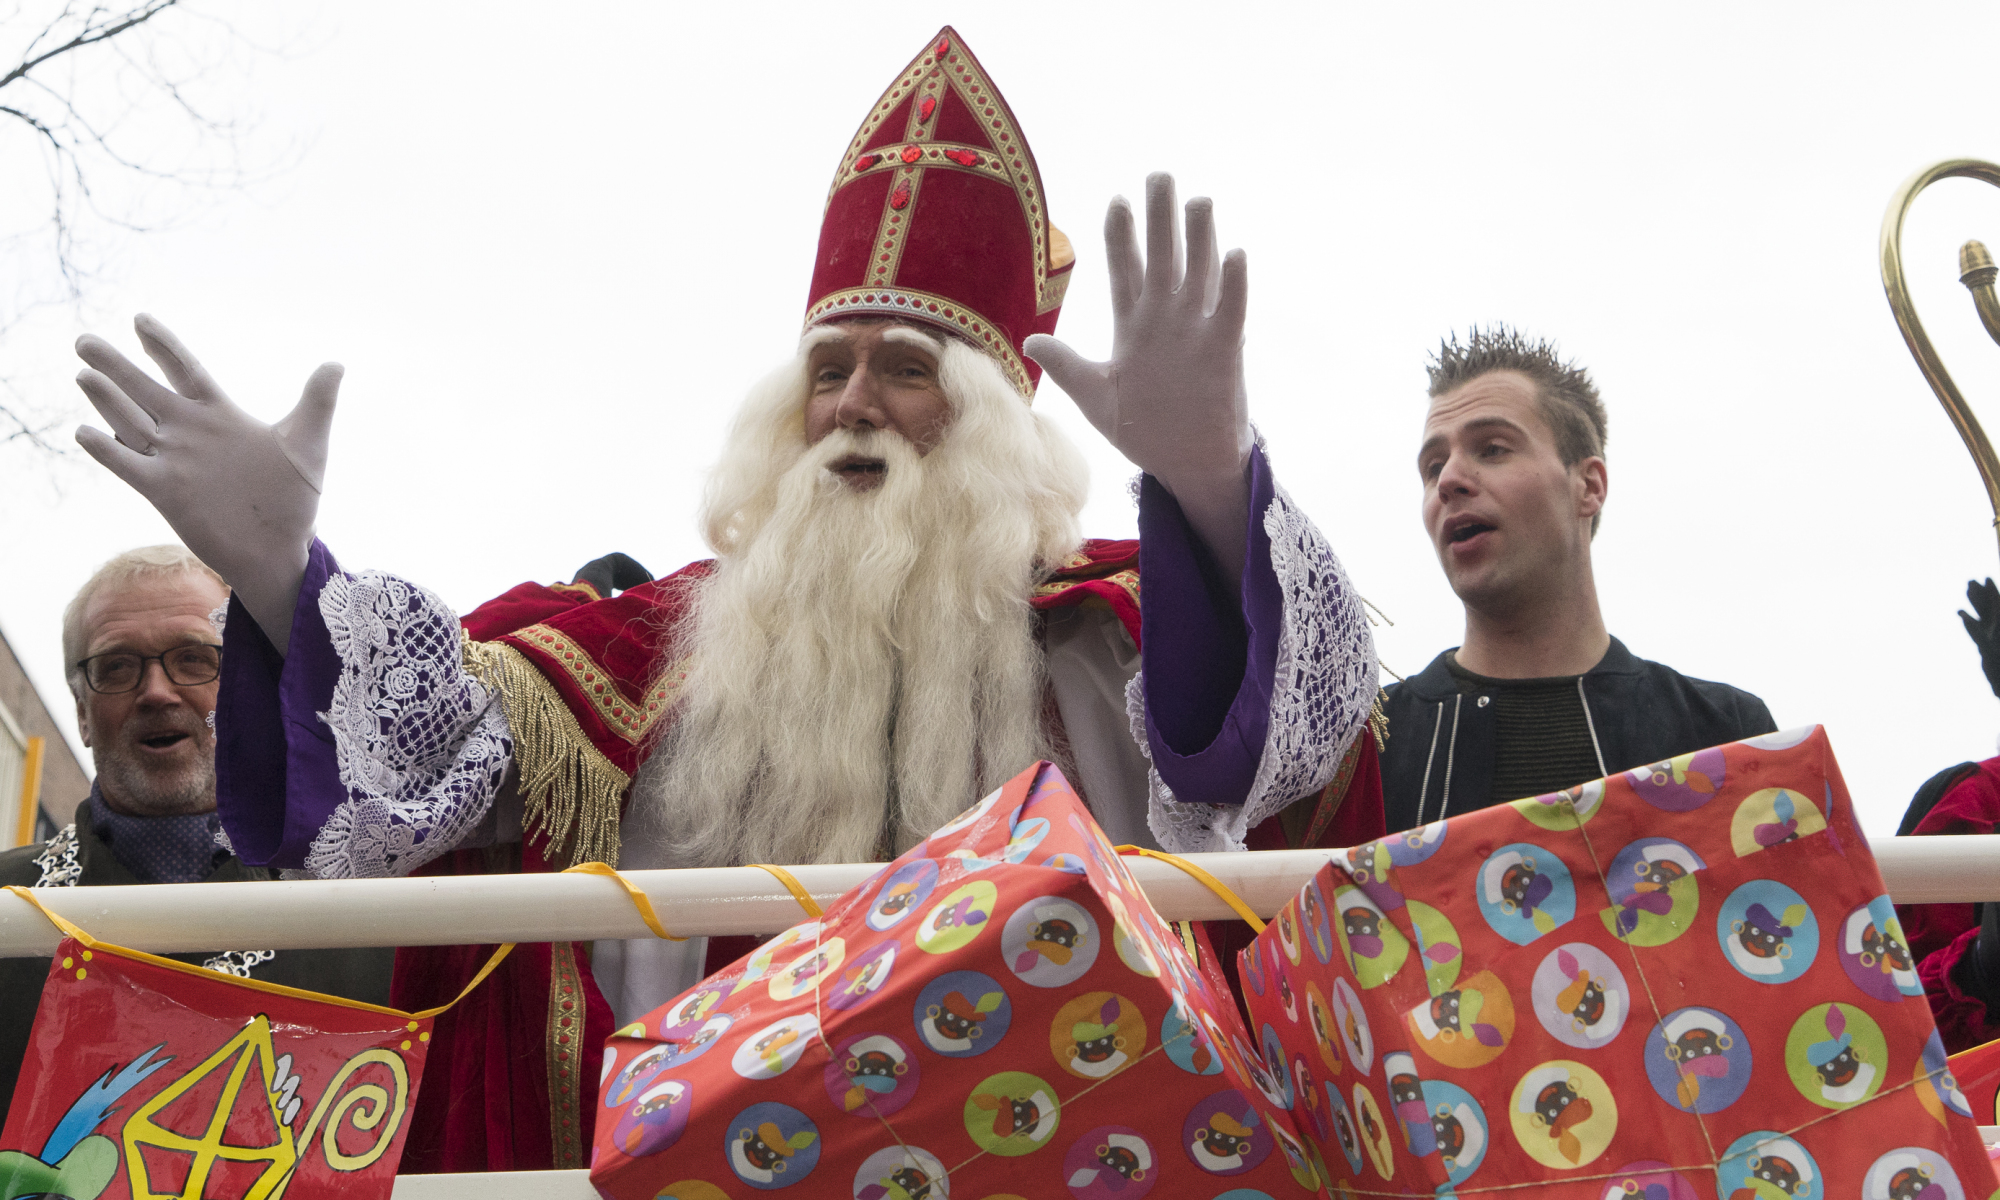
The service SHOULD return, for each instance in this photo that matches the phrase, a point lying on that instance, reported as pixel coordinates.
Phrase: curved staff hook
(1977, 273)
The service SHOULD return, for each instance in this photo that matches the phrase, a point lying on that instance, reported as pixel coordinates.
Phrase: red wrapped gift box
(1682, 981)
(997, 1013)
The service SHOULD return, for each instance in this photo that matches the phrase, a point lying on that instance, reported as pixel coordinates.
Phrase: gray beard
(146, 794)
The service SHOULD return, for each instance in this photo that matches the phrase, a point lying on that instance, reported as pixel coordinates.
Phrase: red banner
(148, 1078)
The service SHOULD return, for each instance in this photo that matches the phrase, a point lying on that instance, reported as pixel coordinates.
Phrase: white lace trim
(422, 747)
(1324, 685)
(238, 962)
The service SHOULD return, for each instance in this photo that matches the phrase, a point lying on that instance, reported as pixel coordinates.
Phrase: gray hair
(143, 564)
(1566, 395)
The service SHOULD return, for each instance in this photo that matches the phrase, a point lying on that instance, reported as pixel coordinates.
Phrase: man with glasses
(144, 662)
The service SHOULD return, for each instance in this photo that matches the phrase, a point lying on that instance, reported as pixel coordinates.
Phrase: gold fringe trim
(1378, 723)
(565, 1057)
(572, 793)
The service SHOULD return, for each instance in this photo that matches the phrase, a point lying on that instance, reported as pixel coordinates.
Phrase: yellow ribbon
(1203, 877)
(640, 900)
(798, 891)
(257, 985)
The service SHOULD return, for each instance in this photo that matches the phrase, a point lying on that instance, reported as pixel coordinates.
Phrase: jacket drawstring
(1603, 772)
(1430, 756)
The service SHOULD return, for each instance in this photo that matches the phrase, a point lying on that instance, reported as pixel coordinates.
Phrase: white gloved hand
(242, 495)
(1172, 398)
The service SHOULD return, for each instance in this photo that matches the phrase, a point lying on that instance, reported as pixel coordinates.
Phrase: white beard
(863, 665)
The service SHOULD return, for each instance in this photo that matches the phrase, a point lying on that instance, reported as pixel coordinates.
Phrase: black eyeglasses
(121, 671)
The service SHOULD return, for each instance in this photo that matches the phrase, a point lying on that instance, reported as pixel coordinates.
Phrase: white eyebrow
(819, 335)
(915, 337)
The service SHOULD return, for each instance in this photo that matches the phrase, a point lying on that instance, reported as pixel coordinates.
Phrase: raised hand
(242, 495)
(1985, 628)
(1171, 399)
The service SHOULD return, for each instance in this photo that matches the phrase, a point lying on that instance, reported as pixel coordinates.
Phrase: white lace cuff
(422, 746)
(1323, 685)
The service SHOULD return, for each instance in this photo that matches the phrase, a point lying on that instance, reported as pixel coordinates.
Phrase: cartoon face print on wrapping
(1309, 1112)
(1224, 1134)
(636, 1075)
(1374, 1133)
(1313, 916)
(953, 922)
(1129, 937)
(1300, 1159)
(1563, 1114)
(966, 819)
(1352, 1023)
(775, 1049)
(861, 980)
(1319, 1015)
(1772, 817)
(1681, 784)
(686, 1014)
(657, 1121)
(902, 894)
(692, 1189)
(1012, 1113)
(762, 961)
(691, 1042)
(772, 1145)
(1050, 942)
(1187, 1044)
(1458, 1129)
(872, 1074)
(1769, 1166)
(1345, 1131)
(1111, 1162)
(1937, 1088)
(1098, 1034)
(1267, 1070)
(1438, 947)
(1289, 938)
(1836, 1055)
(1875, 954)
(1698, 1060)
(1023, 836)
(1648, 1180)
(1912, 1173)
(1655, 891)
(901, 1173)
(1375, 948)
(1580, 996)
(1406, 1102)
(1467, 1026)
(1525, 892)
(962, 1013)
(1288, 997)
(805, 973)
(1768, 932)
(1559, 812)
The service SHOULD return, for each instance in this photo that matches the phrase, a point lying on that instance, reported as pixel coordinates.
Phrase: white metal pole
(313, 914)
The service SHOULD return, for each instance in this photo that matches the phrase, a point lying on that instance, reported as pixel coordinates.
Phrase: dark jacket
(354, 974)
(1441, 743)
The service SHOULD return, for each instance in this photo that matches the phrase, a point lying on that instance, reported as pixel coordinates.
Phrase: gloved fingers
(183, 370)
(1121, 257)
(305, 430)
(134, 426)
(143, 390)
(1163, 235)
(1085, 381)
(121, 460)
(1985, 598)
(1204, 274)
(1232, 301)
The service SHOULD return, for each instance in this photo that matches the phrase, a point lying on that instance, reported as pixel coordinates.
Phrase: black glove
(1984, 630)
(613, 572)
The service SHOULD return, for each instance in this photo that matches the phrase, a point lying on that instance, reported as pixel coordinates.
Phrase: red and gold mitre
(937, 215)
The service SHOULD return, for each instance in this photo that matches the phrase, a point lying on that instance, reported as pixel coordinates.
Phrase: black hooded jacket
(1440, 753)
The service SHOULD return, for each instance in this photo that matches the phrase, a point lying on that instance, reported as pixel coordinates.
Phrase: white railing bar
(314, 914)
(496, 1185)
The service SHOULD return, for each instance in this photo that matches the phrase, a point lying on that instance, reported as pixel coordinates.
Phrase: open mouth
(163, 741)
(1467, 531)
(858, 469)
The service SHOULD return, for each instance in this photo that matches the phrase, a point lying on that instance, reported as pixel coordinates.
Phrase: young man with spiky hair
(1539, 697)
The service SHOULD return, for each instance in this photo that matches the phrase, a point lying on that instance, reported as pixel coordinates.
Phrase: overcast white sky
(554, 243)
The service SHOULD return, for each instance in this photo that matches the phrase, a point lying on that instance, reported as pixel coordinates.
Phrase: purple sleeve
(1209, 659)
(276, 782)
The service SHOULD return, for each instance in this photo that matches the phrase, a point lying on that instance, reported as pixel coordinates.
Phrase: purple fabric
(1209, 659)
(276, 779)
